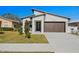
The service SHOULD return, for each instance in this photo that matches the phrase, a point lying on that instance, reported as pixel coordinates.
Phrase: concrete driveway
(63, 42)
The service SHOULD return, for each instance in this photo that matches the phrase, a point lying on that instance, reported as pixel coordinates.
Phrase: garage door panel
(54, 27)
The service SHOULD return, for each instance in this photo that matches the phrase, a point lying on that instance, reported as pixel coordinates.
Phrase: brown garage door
(54, 26)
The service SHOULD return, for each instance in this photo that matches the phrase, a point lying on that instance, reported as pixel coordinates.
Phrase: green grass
(14, 37)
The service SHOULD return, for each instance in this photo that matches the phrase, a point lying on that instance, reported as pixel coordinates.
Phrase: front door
(38, 26)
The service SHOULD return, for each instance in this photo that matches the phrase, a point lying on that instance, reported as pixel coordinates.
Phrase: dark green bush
(6, 29)
(1, 32)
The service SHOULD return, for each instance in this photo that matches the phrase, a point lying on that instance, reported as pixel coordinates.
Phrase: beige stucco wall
(40, 18)
(5, 23)
(54, 18)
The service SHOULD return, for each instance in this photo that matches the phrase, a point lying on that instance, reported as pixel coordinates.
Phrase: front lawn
(14, 37)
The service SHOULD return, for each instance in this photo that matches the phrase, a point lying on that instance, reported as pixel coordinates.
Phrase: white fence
(72, 29)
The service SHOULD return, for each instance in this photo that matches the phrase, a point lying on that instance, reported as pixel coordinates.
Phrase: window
(30, 24)
(38, 25)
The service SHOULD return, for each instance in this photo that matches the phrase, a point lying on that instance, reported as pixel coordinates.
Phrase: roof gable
(49, 13)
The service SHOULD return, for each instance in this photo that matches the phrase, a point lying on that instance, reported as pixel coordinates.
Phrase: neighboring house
(8, 23)
(74, 25)
(41, 22)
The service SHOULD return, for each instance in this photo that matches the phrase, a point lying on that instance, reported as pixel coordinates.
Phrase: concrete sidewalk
(9, 47)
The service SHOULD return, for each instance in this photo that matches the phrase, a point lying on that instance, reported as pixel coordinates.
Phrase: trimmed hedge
(6, 29)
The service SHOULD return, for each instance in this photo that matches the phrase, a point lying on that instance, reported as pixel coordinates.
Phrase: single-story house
(8, 23)
(41, 22)
(74, 25)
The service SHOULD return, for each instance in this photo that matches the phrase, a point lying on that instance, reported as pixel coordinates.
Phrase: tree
(10, 16)
(20, 28)
(26, 27)
(17, 24)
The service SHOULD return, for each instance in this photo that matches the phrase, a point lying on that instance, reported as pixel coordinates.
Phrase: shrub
(29, 35)
(6, 29)
(20, 31)
(1, 32)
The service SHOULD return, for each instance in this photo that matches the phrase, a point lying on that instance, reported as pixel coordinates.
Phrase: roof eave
(49, 13)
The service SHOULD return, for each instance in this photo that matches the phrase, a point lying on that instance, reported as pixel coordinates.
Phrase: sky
(22, 11)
